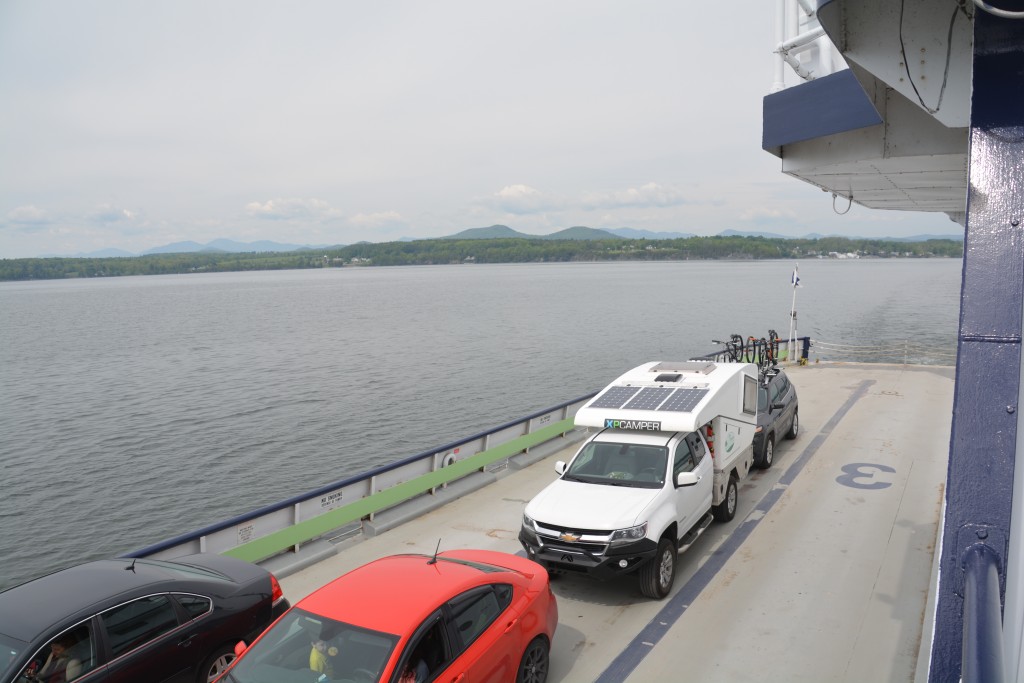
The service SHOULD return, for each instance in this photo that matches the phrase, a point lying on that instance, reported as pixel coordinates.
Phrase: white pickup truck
(674, 442)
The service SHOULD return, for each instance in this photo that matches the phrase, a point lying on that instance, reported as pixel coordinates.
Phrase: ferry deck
(823, 575)
(830, 569)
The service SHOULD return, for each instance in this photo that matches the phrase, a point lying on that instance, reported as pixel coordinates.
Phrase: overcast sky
(132, 125)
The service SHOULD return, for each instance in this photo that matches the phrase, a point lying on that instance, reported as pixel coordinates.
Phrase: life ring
(448, 460)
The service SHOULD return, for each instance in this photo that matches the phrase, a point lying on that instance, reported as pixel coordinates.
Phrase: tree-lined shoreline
(496, 250)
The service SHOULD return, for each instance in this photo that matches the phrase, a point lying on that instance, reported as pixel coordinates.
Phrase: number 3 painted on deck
(853, 472)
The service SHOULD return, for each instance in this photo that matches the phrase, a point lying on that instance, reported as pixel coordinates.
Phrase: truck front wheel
(656, 576)
(767, 454)
(726, 510)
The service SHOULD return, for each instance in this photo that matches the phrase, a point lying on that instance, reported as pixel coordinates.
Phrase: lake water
(135, 409)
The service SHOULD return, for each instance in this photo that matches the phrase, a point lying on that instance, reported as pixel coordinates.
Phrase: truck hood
(590, 506)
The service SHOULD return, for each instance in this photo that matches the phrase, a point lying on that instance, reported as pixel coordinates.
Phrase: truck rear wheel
(726, 510)
(657, 576)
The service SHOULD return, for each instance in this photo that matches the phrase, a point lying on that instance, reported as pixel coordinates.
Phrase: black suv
(776, 415)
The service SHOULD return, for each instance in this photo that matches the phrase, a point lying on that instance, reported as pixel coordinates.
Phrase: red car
(475, 616)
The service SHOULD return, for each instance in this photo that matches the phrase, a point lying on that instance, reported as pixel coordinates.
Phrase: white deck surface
(822, 577)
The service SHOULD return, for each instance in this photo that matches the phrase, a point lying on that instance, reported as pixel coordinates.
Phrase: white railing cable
(908, 351)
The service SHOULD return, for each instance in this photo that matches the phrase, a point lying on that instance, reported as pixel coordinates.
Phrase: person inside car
(414, 673)
(318, 660)
(59, 667)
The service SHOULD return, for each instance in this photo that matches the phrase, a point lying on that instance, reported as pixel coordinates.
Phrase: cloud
(520, 199)
(761, 215)
(524, 203)
(28, 216)
(111, 214)
(377, 220)
(289, 209)
(649, 195)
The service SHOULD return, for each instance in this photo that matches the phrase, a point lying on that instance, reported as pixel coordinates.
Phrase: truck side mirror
(686, 479)
(560, 467)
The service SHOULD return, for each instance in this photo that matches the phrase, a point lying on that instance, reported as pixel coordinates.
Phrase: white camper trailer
(674, 441)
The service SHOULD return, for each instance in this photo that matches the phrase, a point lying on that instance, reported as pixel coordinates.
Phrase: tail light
(275, 590)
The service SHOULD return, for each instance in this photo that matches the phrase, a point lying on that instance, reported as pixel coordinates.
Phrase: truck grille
(570, 540)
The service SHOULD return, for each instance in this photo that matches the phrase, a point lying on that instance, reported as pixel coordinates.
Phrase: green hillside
(586, 246)
(490, 233)
(580, 232)
(494, 232)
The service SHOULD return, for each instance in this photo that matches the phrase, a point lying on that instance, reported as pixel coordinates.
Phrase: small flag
(795, 280)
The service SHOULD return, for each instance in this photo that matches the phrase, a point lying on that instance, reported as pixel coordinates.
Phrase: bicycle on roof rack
(735, 351)
(763, 351)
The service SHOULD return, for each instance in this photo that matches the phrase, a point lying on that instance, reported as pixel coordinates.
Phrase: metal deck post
(979, 487)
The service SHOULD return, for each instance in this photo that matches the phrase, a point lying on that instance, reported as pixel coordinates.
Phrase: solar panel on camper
(614, 397)
(648, 399)
(684, 400)
(651, 398)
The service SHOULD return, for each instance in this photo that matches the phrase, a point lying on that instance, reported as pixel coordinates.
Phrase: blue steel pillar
(984, 432)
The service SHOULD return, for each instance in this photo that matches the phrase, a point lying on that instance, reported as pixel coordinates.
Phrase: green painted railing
(288, 524)
(279, 541)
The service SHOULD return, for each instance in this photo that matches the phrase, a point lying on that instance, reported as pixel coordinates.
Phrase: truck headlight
(528, 523)
(528, 536)
(630, 535)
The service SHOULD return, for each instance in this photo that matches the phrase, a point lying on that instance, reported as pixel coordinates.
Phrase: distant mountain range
(219, 246)
(583, 233)
(818, 236)
(494, 231)
(575, 233)
(503, 231)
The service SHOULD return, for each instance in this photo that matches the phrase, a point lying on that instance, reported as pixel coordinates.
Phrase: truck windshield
(620, 464)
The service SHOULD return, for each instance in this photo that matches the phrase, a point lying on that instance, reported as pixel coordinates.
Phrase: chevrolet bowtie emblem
(569, 537)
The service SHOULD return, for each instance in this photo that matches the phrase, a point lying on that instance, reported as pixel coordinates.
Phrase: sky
(130, 125)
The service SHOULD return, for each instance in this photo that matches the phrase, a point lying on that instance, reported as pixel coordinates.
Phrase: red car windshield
(302, 643)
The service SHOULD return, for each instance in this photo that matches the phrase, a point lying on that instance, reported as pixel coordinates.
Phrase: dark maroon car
(126, 620)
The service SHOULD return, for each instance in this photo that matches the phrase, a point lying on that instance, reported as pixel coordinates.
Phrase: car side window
(473, 612)
(683, 461)
(697, 447)
(762, 399)
(194, 605)
(428, 652)
(67, 657)
(504, 593)
(138, 622)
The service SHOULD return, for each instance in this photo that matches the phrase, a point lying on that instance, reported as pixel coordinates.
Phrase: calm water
(135, 409)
